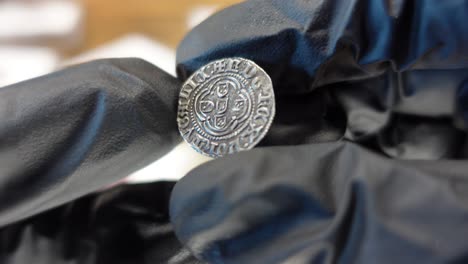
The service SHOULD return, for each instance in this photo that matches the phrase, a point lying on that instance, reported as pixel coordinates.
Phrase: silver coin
(225, 107)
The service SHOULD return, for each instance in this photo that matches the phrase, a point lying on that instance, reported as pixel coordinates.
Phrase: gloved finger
(331, 41)
(75, 131)
(376, 57)
(126, 224)
(323, 203)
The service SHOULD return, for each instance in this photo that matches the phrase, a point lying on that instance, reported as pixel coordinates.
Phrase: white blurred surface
(172, 166)
(133, 45)
(38, 18)
(22, 63)
(198, 14)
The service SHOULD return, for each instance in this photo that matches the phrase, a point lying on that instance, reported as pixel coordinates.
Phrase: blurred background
(40, 36)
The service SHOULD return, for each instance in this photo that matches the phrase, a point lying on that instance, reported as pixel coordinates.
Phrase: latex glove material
(323, 203)
(124, 225)
(349, 69)
(78, 130)
(389, 76)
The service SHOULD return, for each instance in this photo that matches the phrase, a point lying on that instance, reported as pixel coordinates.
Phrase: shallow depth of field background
(41, 36)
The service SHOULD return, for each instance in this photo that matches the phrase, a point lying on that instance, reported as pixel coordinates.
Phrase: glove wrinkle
(372, 105)
(123, 225)
(337, 201)
(379, 58)
(98, 123)
(385, 81)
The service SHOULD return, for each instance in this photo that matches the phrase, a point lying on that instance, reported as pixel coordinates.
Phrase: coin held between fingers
(225, 107)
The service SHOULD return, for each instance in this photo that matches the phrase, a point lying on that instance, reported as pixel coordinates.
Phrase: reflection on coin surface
(225, 107)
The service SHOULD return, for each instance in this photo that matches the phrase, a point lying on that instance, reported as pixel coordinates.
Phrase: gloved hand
(374, 96)
(384, 83)
(77, 131)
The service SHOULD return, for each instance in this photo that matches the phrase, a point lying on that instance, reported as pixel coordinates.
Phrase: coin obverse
(225, 107)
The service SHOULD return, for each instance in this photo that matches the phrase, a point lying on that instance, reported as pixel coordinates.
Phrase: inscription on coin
(226, 106)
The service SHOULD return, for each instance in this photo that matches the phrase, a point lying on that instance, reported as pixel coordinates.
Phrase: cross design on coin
(226, 106)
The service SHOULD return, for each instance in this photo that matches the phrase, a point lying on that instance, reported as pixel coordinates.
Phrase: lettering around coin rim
(226, 106)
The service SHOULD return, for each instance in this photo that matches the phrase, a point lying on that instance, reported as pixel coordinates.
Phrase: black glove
(384, 83)
(77, 131)
(388, 76)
